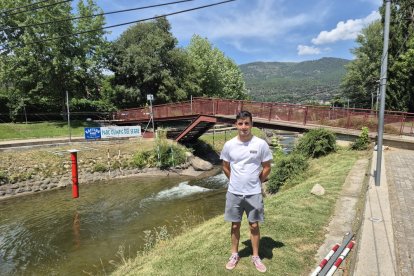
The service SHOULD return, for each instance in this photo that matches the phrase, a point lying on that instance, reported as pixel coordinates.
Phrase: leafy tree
(217, 75)
(33, 72)
(364, 71)
(91, 51)
(39, 63)
(362, 74)
(145, 60)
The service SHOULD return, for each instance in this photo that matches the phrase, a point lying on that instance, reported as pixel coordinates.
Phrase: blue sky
(261, 30)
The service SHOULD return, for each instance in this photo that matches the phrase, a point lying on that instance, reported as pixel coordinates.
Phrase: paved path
(375, 249)
(400, 178)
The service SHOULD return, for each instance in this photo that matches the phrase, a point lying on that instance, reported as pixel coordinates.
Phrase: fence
(395, 122)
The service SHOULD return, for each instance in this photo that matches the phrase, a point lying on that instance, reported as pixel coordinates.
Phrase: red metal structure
(75, 182)
(395, 122)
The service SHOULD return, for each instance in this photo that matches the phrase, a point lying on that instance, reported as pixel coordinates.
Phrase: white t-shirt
(245, 160)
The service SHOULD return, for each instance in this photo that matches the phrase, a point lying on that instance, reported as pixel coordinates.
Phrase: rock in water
(200, 164)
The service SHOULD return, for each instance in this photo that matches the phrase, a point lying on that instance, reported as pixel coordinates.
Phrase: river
(52, 234)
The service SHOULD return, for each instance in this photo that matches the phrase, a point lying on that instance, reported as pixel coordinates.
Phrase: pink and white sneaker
(258, 264)
(234, 259)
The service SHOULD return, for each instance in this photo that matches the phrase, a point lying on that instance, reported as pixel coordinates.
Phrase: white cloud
(348, 30)
(263, 20)
(308, 50)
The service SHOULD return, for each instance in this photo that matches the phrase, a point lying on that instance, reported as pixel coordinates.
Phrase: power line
(33, 4)
(95, 15)
(38, 8)
(127, 23)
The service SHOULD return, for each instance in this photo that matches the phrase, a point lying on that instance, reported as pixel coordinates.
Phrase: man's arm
(226, 168)
(266, 170)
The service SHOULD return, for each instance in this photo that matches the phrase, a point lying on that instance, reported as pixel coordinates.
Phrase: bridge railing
(395, 122)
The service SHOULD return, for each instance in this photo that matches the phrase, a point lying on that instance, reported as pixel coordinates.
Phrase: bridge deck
(397, 125)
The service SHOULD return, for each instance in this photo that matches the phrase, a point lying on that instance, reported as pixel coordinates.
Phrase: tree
(361, 79)
(40, 62)
(364, 72)
(145, 60)
(91, 53)
(35, 73)
(217, 75)
(400, 88)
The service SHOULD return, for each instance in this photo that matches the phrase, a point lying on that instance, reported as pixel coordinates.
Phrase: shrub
(4, 177)
(362, 142)
(317, 143)
(163, 155)
(143, 158)
(286, 168)
(277, 148)
(170, 155)
(99, 167)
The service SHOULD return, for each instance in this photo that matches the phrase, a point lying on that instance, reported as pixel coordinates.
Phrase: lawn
(11, 131)
(293, 230)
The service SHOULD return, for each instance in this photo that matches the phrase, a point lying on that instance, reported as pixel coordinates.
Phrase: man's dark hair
(244, 114)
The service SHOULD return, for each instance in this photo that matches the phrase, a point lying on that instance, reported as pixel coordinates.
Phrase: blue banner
(92, 133)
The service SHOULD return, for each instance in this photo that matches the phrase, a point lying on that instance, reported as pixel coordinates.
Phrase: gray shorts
(236, 205)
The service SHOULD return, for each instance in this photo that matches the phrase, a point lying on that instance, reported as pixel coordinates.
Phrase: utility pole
(378, 93)
(383, 83)
(67, 107)
(150, 98)
(372, 101)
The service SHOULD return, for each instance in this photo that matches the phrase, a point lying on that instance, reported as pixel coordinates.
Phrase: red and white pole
(75, 186)
(325, 260)
(340, 258)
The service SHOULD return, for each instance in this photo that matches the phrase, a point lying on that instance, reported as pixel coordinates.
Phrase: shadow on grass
(206, 152)
(267, 245)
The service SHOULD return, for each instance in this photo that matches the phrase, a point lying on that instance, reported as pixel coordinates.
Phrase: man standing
(246, 163)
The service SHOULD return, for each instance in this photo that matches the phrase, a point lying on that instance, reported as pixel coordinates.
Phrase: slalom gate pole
(347, 238)
(340, 259)
(325, 260)
(75, 186)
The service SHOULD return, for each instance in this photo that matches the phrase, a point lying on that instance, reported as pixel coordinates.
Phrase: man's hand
(266, 171)
(226, 168)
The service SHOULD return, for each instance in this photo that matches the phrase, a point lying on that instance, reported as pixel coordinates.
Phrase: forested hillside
(295, 82)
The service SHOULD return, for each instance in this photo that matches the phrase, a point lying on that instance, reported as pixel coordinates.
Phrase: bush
(144, 159)
(317, 143)
(99, 167)
(277, 149)
(362, 142)
(164, 155)
(286, 168)
(170, 155)
(3, 177)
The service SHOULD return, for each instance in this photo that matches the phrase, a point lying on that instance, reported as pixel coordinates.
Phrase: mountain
(294, 82)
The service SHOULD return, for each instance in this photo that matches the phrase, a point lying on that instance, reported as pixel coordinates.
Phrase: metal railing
(395, 122)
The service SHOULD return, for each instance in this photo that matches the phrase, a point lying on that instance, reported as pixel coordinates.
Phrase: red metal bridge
(203, 113)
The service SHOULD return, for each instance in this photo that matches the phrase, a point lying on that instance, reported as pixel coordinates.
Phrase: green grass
(9, 131)
(221, 137)
(294, 228)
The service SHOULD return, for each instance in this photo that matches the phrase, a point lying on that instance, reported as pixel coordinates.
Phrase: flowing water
(53, 234)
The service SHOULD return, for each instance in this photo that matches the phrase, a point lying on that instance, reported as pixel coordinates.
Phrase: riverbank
(30, 171)
(294, 229)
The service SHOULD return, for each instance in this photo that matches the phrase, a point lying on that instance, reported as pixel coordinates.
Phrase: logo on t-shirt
(253, 151)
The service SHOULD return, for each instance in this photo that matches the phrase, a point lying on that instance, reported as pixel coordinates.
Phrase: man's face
(244, 127)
